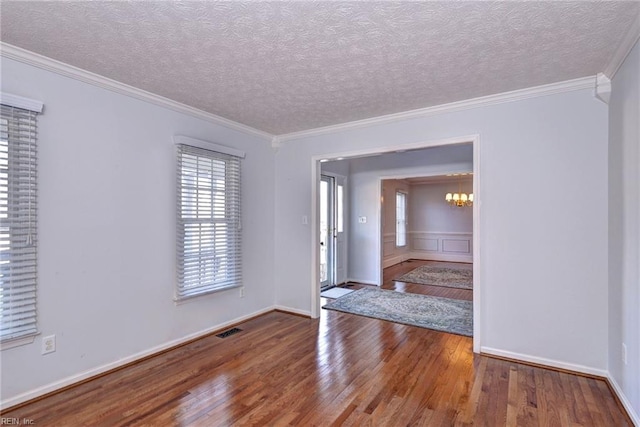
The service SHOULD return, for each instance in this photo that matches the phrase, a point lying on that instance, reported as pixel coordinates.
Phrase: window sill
(17, 342)
(190, 298)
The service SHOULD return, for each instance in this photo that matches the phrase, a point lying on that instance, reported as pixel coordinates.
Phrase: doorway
(375, 246)
(333, 255)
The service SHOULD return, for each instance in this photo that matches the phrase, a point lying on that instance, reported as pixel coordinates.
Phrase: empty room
(320, 213)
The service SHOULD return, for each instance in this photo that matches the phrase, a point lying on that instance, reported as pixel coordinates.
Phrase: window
(208, 217)
(401, 219)
(18, 233)
(340, 207)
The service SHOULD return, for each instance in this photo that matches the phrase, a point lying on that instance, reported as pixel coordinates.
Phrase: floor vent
(229, 332)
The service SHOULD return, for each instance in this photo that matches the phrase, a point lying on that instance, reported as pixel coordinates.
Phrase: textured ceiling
(288, 66)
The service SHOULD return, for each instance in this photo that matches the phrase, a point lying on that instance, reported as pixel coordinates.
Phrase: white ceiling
(289, 66)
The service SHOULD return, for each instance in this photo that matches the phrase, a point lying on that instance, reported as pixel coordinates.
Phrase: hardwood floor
(398, 270)
(340, 369)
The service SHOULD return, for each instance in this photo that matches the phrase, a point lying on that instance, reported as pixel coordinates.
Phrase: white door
(333, 230)
(327, 231)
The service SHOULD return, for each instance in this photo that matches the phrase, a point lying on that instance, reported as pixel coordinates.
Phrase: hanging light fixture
(459, 199)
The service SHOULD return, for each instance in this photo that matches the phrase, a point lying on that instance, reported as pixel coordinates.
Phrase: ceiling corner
(623, 49)
(276, 142)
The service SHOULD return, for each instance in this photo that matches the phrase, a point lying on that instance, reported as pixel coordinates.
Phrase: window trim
(19, 341)
(222, 153)
(21, 102)
(34, 106)
(405, 196)
(206, 145)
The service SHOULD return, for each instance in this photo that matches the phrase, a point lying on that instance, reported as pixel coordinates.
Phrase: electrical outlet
(624, 353)
(242, 292)
(362, 219)
(48, 344)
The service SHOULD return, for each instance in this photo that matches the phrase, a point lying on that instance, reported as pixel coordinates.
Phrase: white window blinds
(18, 233)
(208, 222)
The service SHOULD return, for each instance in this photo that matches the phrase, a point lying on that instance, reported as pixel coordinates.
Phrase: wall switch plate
(624, 353)
(48, 344)
(242, 292)
(362, 219)
(305, 220)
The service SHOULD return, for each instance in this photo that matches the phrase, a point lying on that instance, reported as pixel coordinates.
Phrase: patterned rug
(441, 314)
(439, 276)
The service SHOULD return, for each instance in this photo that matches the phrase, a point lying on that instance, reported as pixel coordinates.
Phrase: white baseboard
(388, 262)
(570, 367)
(545, 362)
(365, 282)
(441, 257)
(623, 398)
(32, 394)
(487, 350)
(305, 313)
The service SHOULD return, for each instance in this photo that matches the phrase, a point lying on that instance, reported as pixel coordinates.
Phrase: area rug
(439, 276)
(335, 292)
(441, 314)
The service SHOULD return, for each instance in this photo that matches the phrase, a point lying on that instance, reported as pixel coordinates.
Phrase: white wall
(366, 175)
(106, 224)
(624, 228)
(431, 213)
(543, 267)
(107, 229)
(439, 231)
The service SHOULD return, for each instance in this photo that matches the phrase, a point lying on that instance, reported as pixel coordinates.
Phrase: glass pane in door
(324, 228)
(339, 210)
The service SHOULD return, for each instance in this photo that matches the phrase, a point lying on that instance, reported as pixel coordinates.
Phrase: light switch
(362, 219)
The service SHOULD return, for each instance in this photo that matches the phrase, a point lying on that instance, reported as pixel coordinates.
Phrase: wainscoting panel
(391, 254)
(389, 245)
(456, 245)
(441, 246)
(427, 245)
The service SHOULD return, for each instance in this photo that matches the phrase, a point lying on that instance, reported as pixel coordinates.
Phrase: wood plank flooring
(340, 369)
(395, 271)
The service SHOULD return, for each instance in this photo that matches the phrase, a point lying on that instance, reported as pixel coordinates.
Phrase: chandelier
(459, 199)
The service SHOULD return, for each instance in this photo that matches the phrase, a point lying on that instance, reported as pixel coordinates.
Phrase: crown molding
(49, 64)
(516, 95)
(276, 143)
(440, 180)
(603, 88)
(43, 62)
(624, 48)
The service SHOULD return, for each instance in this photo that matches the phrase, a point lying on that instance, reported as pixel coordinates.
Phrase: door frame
(345, 211)
(477, 194)
(331, 239)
